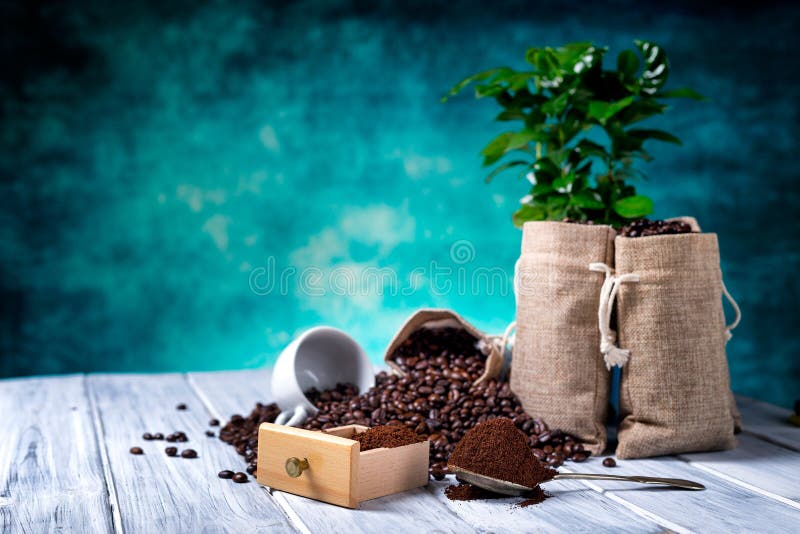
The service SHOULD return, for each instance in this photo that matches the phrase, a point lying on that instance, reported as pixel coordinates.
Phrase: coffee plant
(576, 137)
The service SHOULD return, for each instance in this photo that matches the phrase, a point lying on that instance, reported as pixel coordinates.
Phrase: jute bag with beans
(675, 391)
(439, 318)
(556, 370)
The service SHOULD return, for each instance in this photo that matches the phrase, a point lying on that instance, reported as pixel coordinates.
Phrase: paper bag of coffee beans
(675, 391)
(401, 346)
(556, 370)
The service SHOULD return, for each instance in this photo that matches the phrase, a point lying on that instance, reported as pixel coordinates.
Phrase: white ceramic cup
(321, 358)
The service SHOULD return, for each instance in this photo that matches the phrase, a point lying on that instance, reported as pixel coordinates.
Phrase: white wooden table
(65, 466)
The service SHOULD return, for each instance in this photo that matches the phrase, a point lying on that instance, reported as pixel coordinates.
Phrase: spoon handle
(677, 482)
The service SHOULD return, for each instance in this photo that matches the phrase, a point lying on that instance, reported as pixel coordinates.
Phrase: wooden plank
(411, 511)
(768, 422)
(723, 507)
(51, 475)
(573, 507)
(769, 469)
(163, 494)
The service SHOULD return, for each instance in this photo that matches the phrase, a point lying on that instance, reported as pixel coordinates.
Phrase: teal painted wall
(156, 159)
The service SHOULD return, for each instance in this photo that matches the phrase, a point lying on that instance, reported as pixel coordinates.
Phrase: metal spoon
(509, 488)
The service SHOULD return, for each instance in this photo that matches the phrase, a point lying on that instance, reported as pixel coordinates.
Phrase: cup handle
(283, 417)
(298, 417)
(292, 417)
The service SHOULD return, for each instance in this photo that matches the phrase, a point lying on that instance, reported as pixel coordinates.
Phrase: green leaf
(563, 184)
(557, 105)
(481, 76)
(588, 200)
(588, 149)
(633, 207)
(683, 92)
(505, 166)
(627, 63)
(656, 67)
(511, 115)
(520, 139)
(640, 110)
(545, 171)
(602, 111)
(496, 148)
(659, 135)
(528, 213)
(485, 90)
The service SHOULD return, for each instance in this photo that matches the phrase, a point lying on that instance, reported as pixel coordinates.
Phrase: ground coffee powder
(387, 436)
(499, 450)
(468, 492)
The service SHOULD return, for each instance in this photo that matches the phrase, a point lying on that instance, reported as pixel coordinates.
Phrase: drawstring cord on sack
(737, 311)
(612, 354)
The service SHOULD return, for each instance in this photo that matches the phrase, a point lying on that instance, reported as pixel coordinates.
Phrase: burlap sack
(675, 389)
(556, 370)
(438, 318)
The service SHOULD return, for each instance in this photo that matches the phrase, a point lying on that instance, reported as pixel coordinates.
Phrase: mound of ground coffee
(387, 436)
(499, 450)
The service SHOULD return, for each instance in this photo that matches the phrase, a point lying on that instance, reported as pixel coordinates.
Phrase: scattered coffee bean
(213, 422)
(147, 436)
(136, 450)
(158, 435)
(609, 462)
(251, 469)
(181, 407)
(227, 473)
(177, 437)
(189, 453)
(240, 478)
(210, 434)
(171, 451)
(438, 471)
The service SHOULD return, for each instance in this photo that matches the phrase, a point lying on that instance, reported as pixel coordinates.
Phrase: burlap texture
(675, 390)
(557, 370)
(431, 318)
(737, 417)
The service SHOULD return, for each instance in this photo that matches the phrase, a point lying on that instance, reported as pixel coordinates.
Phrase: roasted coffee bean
(181, 407)
(581, 456)
(436, 395)
(147, 436)
(158, 435)
(136, 450)
(240, 478)
(646, 227)
(609, 462)
(227, 473)
(210, 434)
(189, 453)
(171, 451)
(213, 422)
(251, 469)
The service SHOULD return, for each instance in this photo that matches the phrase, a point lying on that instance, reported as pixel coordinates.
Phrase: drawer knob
(296, 466)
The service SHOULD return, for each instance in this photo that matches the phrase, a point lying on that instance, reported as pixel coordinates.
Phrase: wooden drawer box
(338, 472)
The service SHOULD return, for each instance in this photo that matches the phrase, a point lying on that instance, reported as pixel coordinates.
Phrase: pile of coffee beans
(646, 227)
(437, 398)
(242, 433)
